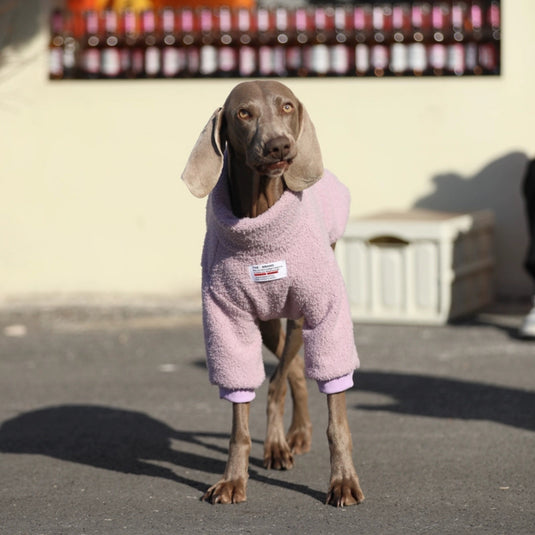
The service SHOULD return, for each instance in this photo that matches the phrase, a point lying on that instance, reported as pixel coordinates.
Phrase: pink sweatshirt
(279, 264)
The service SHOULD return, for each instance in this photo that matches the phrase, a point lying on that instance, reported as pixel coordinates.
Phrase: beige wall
(91, 201)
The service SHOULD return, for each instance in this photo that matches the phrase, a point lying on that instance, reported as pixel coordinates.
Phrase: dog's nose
(278, 147)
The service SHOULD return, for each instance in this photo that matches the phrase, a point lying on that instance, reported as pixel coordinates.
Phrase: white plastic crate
(418, 266)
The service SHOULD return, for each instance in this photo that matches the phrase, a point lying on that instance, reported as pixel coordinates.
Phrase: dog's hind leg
(300, 432)
(278, 448)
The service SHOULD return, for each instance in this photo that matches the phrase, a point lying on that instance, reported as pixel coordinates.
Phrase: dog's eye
(287, 108)
(244, 114)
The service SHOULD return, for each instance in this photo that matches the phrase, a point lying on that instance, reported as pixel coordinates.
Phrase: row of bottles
(391, 38)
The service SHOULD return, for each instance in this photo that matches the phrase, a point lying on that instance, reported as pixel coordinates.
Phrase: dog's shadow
(125, 441)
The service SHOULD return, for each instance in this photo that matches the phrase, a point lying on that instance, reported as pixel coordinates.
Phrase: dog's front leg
(232, 487)
(344, 488)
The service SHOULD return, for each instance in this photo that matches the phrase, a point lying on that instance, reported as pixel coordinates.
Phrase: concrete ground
(108, 425)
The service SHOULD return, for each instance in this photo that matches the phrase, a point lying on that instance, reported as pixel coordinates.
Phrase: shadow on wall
(20, 21)
(497, 187)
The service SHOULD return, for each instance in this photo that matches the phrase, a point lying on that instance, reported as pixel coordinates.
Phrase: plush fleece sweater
(279, 264)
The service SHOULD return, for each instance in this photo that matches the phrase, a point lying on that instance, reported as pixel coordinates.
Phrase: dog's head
(267, 127)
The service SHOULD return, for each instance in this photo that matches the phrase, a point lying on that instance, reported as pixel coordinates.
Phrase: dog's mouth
(278, 166)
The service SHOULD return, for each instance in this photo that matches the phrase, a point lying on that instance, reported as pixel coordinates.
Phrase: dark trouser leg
(529, 194)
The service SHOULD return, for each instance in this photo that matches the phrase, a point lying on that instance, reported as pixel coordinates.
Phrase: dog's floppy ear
(307, 167)
(205, 162)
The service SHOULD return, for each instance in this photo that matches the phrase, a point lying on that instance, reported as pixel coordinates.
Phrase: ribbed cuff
(236, 396)
(336, 385)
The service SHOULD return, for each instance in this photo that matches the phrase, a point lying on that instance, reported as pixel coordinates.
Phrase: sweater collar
(269, 231)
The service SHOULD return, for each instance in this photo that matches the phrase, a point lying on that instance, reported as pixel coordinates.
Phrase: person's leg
(528, 327)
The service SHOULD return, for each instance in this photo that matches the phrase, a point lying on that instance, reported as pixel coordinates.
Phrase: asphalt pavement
(108, 425)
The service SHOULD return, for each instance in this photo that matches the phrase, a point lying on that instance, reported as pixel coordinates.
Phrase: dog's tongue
(278, 165)
(275, 166)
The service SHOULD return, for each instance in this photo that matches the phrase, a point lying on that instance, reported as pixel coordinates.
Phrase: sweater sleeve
(233, 345)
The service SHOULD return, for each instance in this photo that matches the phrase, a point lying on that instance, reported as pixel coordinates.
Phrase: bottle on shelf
(474, 32)
(208, 51)
(456, 50)
(152, 61)
(489, 49)
(340, 59)
(379, 52)
(438, 53)
(190, 41)
(110, 47)
(56, 46)
(280, 42)
(247, 62)
(227, 44)
(266, 41)
(401, 23)
(89, 50)
(131, 52)
(476, 20)
(71, 39)
(298, 42)
(317, 54)
(494, 20)
(362, 35)
(418, 63)
(173, 57)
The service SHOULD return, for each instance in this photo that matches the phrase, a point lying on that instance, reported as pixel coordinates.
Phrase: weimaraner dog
(260, 151)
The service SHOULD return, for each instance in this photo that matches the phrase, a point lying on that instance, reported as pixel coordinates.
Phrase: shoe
(528, 327)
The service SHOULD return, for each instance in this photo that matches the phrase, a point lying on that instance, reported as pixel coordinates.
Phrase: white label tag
(268, 272)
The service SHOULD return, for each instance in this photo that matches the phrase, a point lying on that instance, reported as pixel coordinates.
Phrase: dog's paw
(226, 491)
(345, 491)
(278, 456)
(299, 439)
